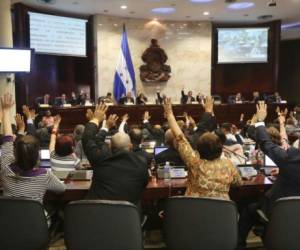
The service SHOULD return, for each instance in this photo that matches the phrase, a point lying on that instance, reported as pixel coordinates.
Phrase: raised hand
(146, 116)
(253, 120)
(89, 114)
(242, 117)
(125, 118)
(261, 111)
(100, 112)
(209, 104)
(282, 116)
(111, 121)
(57, 120)
(20, 123)
(192, 122)
(26, 111)
(7, 102)
(168, 107)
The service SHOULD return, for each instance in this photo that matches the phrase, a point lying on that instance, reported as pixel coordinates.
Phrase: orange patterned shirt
(207, 178)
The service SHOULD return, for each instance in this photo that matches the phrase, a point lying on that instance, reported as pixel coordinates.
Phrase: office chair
(200, 223)
(217, 99)
(283, 228)
(23, 225)
(102, 224)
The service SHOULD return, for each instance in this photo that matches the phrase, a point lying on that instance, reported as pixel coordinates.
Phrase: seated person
(81, 99)
(187, 99)
(106, 99)
(45, 100)
(61, 148)
(141, 99)
(62, 100)
(20, 173)
(276, 98)
(74, 99)
(128, 99)
(238, 98)
(200, 98)
(171, 155)
(118, 173)
(287, 183)
(136, 137)
(160, 97)
(230, 137)
(77, 135)
(208, 174)
(47, 120)
(257, 97)
(156, 133)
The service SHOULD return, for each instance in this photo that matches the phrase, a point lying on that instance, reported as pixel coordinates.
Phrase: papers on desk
(67, 105)
(44, 105)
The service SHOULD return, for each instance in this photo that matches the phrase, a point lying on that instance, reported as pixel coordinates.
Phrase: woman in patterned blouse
(208, 174)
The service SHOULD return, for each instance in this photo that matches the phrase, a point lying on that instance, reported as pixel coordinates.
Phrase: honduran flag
(124, 77)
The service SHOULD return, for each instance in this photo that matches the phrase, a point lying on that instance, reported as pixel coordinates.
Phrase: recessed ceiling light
(201, 1)
(163, 10)
(206, 13)
(239, 6)
(123, 7)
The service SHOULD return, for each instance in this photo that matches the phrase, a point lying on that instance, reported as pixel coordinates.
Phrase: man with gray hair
(118, 173)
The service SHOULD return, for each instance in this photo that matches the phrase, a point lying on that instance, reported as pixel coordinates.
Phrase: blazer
(120, 175)
(184, 98)
(288, 161)
(125, 99)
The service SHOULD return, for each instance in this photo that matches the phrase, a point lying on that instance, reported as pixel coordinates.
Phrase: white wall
(187, 44)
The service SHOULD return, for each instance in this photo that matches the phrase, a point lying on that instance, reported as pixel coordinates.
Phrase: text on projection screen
(57, 35)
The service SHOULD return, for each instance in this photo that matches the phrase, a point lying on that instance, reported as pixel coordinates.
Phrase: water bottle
(167, 171)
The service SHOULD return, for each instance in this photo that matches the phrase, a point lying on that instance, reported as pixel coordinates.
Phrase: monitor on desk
(269, 162)
(158, 150)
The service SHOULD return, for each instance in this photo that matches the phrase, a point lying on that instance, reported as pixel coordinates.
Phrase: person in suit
(128, 99)
(200, 98)
(62, 100)
(118, 173)
(141, 99)
(187, 99)
(156, 133)
(288, 180)
(73, 100)
(106, 99)
(171, 154)
(81, 99)
(161, 98)
(45, 100)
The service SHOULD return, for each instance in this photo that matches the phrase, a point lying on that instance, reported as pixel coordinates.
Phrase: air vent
(230, 1)
(265, 17)
(46, 1)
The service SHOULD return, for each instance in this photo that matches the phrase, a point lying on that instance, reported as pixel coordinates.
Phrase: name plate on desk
(44, 105)
(128, 103)
(178, 173)
(67, 105)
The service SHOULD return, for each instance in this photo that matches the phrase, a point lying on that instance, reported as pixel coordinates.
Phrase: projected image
(58, 35)
(242, 45)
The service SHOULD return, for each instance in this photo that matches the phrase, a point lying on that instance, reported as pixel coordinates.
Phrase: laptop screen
(269, 162)
(45, 154)
(158, 150)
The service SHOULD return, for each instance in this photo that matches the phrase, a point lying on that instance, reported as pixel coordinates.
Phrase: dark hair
(64, 145)
(226, 126)
(27, 152)
(136, 136)
(221, 135)
(209, 146)
(274, 135)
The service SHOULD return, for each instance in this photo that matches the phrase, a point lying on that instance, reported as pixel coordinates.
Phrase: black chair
(23, 225)
(283, 229)
(200, 223)
(100, 224)
(217, 99)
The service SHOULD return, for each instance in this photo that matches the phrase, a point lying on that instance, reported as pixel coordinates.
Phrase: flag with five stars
(124, 81)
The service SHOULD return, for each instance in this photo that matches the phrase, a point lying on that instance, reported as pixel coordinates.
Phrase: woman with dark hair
(208, 174)
(20, 172)
(61, 148)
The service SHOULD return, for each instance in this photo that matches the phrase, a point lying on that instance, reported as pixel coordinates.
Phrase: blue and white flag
(124, 77)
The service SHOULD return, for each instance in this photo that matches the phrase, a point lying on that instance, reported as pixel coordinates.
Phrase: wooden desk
(224, 113)
(160, 189)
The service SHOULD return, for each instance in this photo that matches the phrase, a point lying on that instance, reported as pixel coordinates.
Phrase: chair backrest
(100, 224)
(200, 223)
(23, 225)
(217, 98)
(283, 228)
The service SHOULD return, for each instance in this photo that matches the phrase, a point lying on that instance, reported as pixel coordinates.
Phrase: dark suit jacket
(59, 102)
(141, 101)
(125, 99)
(121, 175)
(288, 161)
(184, 98)
(170, 155)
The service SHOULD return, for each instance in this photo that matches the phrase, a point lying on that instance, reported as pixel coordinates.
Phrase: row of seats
(189, 223)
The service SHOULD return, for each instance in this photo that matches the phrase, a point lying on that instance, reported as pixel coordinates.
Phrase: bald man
(119, 173)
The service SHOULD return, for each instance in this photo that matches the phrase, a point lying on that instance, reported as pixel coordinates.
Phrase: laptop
(269, 165)
(158, 150)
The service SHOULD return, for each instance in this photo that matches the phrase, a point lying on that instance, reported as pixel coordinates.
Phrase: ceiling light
(123, 7)
(163, 10)
(206, 13)
(242, 5)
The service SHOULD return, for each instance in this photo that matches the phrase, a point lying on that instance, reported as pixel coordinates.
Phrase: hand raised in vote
(7, 102)
(125, 118)
(20, 123)
(111, 121)
(26, 111)
(192, 122)
(282, 116)
(100, 112)
(89, 114)
(261, 111)
(146, 116)
(209, 104)
(168, 107)
(57, 120)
